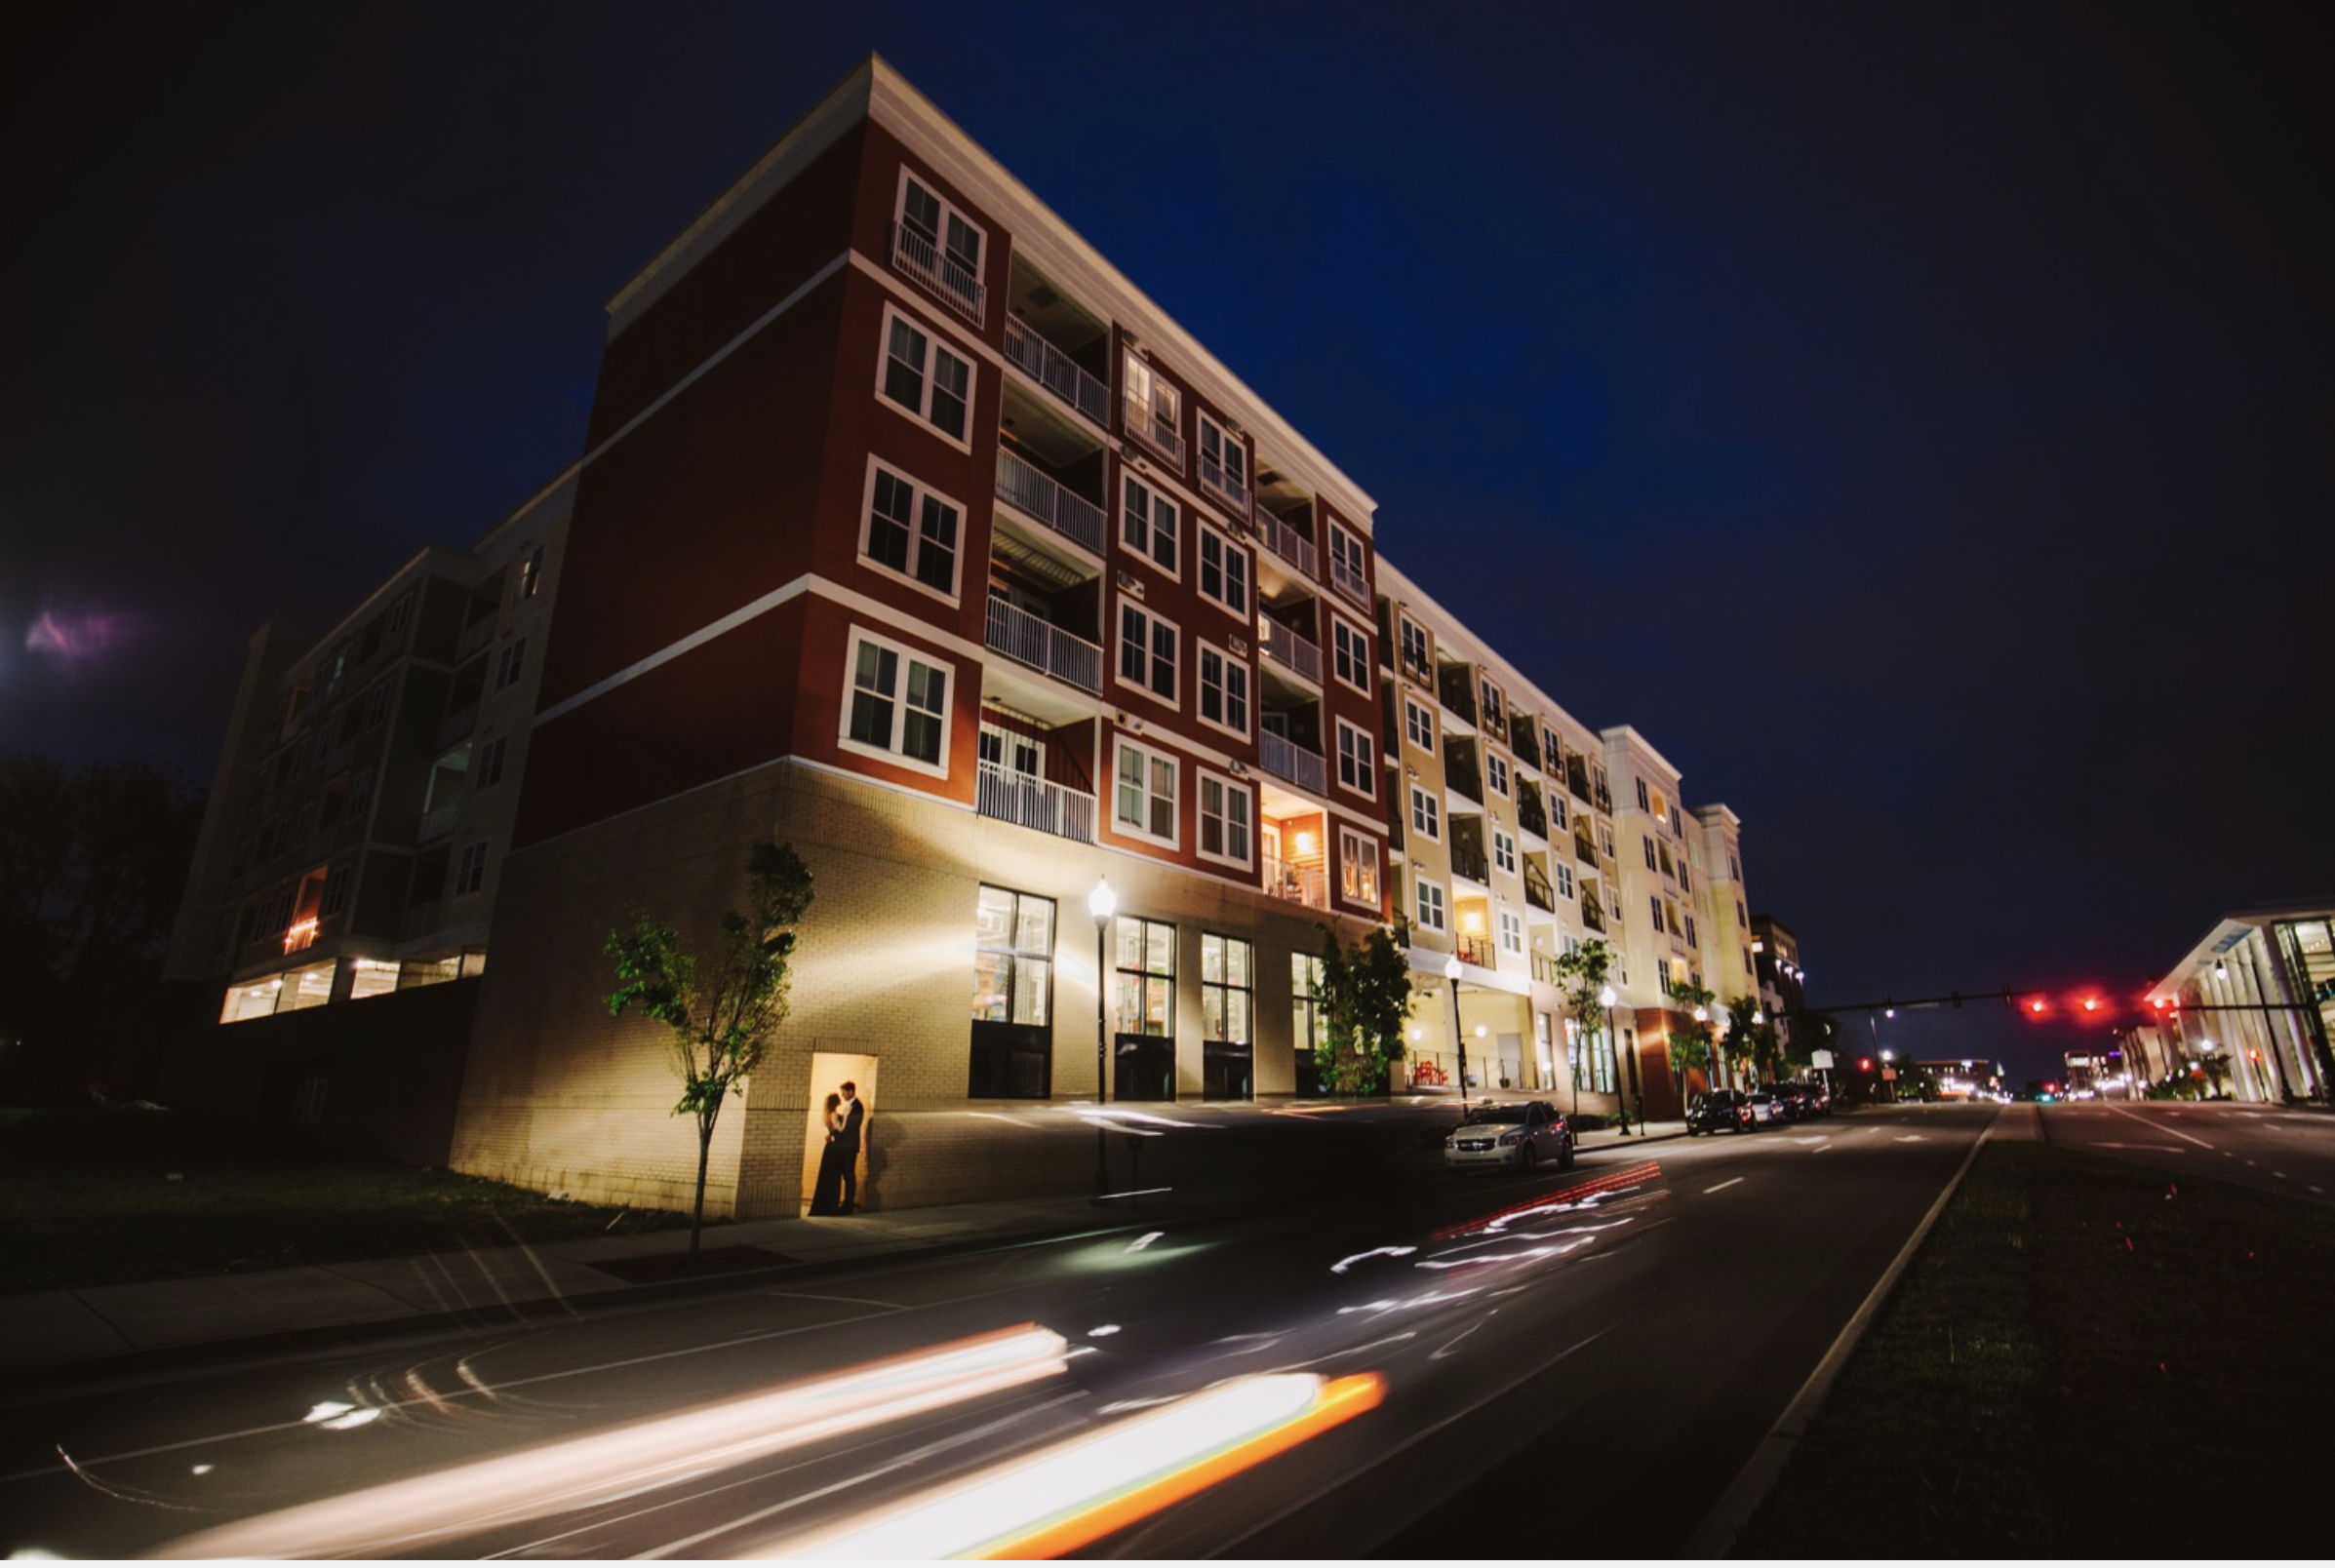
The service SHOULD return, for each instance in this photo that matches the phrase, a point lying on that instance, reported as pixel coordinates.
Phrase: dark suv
(1719, 1110)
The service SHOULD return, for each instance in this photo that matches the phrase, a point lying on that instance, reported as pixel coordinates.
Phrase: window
(1227, 820)
(1565, 881)
(1657, 907)
(1013, 1000)
(1223, 572)
(336, 891)
(470, 873)
(490, 763)
(1740, 918)
(1492, 716)
(1649, 844)
(1346, 564)
(1145, 794)
(911, 532)
(1418, 724)
(1431, 905)
(1552, 749)
(399, 613)
(1556, 812)
(1684, 885)
(1147, 524)
(1605, 839)
(938, 246)
(360, 795)
(1227, 1009)
(1358, 867)
(509, 662)
(1425, 814)
(1143, 1016)
(925, 377)
(899, 705)
(530, 573)
(1746, 963)
(1147, 651)
(1495, 771)
(1223, 462)
(1689, 927)
(1223, 690)
(1355, 755)
(1350, 654)
(1734, 867)
(1306, 1030)
(376, 704)
(1642, 801)
(1512, 934)
(1414, 649)
(1662, 975)
(1153, 410)
(1504, 850)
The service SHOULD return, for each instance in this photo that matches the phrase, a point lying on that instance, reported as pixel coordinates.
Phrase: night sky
(1914, 420)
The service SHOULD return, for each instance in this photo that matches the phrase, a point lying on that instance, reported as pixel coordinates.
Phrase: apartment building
(909, 531)
(1775, 958)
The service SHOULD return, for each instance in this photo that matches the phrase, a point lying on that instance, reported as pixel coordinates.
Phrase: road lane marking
(2149, 1122)
(1722, 1186)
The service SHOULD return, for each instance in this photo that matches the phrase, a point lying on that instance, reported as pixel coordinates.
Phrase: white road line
(2164, 1124)
(1722, 1186)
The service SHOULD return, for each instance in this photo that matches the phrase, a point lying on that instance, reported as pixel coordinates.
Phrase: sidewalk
(49, 1334)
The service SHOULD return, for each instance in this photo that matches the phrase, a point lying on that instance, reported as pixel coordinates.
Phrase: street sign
(1821, 1060)
(1888, 1075)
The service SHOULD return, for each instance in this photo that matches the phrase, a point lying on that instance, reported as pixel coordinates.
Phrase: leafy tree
(722, 1022)
(1689, 1037)
(1364, 994)
(1750, 1039)
(2217, 1072)
(1580, 980)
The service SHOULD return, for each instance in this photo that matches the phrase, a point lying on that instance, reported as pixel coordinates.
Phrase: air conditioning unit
(1239, 644)
(1130, 583)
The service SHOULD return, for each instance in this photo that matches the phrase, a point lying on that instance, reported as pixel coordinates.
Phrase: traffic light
(1864, 1064)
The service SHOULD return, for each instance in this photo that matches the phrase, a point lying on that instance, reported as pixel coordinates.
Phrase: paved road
(2269, 1146)
(1566, 1362)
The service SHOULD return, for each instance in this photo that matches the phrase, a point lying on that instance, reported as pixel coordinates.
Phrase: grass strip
(2088, 1358)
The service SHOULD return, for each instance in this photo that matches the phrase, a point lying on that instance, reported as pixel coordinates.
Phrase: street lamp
(1102, 903)
(1606, 999)
(1451, 973)
(1702, 1016)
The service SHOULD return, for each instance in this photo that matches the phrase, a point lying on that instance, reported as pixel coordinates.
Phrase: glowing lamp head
(1102, 903)
(1606, 998)
(1451, 968)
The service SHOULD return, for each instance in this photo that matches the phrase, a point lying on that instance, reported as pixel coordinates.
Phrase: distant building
(1776, 955)
(2251, 1006)
(910, 532)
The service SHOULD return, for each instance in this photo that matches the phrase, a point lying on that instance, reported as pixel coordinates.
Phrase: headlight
(1508, 1138)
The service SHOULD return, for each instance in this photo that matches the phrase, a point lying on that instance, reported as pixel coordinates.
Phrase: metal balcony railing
(1584, 851)
(1057, 372)
(1477, 951)
(437, 824)
(458, 725)
(1299, 885)
(1285, 646)
(1155, 432)
(1025, 638)
(1590, 916)
(1040, 497)
(1471, 864)
(1228, 489)
(1283, 758)
(475, 636)
(919, 257)
(1033, 803)
(1290, 544)
(1348, 581)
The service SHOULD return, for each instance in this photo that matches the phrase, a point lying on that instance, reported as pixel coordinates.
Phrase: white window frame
(1512, 934)
(470, 870)
(1235, 599)
(891, 751)
(920, 495)
(1352, 556)
(1231, 671)
(1349, 644)
(1424, 664)
(973, 309)
(1565, 881)
(1231, 450)
(1504, 850)
(1496, 772)
(927, 378)
(1362, 754)
(1152, 622)
(510, 664)
(1146, 788)
(1418, 724)
(1426, 814)
(1427, 899)
(1492, 703)
(1155, 502)
(1358, 866)
(1161, 397)
(1227, 789)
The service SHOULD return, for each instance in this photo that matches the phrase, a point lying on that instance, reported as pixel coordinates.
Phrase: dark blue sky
(1914, 420)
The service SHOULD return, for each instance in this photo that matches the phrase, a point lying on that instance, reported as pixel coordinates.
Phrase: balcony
(1584, 851)
(1285, 758)
(1057, 372)
(1524, 738)
(1477, 951)
(1026, 640)
(1299, 885)
(1591, 916)
(1033, 803)
(1605, 800)
(1576, 780)
(437, 824)
(458, 725)
(1529, 814)
(1455, 688)
(1470, 863)
(1288, 543)
(920, 259)
(475, 636)
(1223, 486)
(1159, 434)
(1021, 486)
(1289, 650)
(1537, 891)
(1350, 582)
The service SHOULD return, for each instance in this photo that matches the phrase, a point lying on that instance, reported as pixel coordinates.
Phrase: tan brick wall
(561, 1097)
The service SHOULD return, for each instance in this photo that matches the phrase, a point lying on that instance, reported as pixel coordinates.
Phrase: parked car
(1815, 1099)
(1510, 1137)
(1793, 1099)
(1719, 1110)
(1766, 1110)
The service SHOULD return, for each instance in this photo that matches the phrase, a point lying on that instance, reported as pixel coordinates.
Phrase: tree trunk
(705, 1131)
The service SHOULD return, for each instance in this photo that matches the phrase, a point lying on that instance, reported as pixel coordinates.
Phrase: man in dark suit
(847, 1145)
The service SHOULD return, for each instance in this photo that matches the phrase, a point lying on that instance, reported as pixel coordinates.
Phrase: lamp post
(1102, 903)
(1451, 973)
(1606, 999)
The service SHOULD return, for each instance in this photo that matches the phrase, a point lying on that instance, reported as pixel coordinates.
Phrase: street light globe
(1606, 998)
(1480, 1030)
(1702, 1016)
(1451, 968)
(1102, 903)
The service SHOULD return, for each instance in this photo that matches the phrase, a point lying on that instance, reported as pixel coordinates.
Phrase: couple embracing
(837, 1189)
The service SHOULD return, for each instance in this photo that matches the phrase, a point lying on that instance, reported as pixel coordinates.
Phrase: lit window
(1223, 572)
(900, 704)
(1153, 410)
(1223, 690)
(1147, 523)
(1346, 566)
(1227, 817)
(1227, 992)
(1147, 651)
(1356, 753)
(1144, 794)
(911, 532)
(530, 573)
(1492, 715)
(1358, 867)
(925, 377)
(1013, 1001)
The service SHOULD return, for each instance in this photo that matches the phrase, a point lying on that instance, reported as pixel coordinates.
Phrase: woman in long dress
(826, 1193)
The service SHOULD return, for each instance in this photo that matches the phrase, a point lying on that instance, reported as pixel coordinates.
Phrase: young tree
(1364, 994)
(1689, 1038)
(1580, 980)
(1750, 1038)
(722, 1022)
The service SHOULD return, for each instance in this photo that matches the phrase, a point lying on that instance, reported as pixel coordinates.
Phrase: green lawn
(93, 1198)
(2086, 1359)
